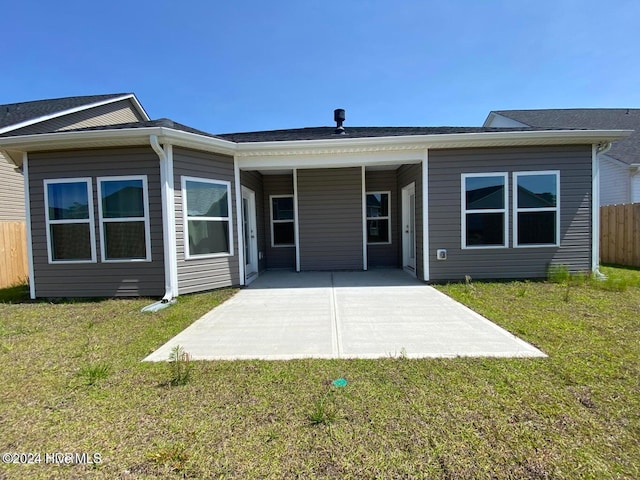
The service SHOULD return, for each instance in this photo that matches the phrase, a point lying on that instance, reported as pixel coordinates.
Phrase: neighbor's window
(282, 221)
(484, 210)
(69, 216)
(207, 217)
(536, 217)
(124, 218)
(378, 217)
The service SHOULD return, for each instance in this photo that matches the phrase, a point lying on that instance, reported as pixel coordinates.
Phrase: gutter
(597, 150)
(168, 221)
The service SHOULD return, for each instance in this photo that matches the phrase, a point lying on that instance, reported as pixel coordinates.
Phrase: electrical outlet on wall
(441, 254)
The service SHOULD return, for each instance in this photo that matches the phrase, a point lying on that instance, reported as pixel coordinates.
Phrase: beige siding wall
(277, 257)
(11, 191)
(96, 279)
(330, 214)
(445, 170)
(111, 113)
(196, 275)
(385, 255)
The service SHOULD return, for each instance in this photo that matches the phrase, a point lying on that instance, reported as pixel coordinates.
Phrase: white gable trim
(69, 111)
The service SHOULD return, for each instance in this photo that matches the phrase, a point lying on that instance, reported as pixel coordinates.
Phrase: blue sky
(252, 65)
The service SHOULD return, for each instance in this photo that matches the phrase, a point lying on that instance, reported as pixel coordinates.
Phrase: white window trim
(91, 220)
(464, 211)
(388, 217)
(102, 220)
(517, 210)
(186, 218)
(272, 221)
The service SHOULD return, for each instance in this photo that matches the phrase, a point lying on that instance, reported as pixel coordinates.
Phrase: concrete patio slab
(373, 314)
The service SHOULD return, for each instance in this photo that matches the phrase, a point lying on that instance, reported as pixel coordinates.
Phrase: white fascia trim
(27, 207)
(238, 189)
(115, 137)
(138, 106)
(436, 140)
(425, 216)
(69, 111)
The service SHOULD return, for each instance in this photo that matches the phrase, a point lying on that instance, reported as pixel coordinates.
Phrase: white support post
(425, 215)
(365, 260)
(296, 225)
(238, 188)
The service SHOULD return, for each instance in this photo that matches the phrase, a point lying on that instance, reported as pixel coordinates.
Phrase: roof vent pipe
(339, 117)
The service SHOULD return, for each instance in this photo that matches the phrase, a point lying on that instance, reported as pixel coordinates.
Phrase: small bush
(180, 365)
(92, 373)
(558, 274)
(322, 413)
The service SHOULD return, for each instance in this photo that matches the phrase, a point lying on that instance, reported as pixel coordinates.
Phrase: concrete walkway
(379, 313)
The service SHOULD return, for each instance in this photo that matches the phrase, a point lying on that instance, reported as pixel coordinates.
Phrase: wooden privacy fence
(620, 234)
(13, 253)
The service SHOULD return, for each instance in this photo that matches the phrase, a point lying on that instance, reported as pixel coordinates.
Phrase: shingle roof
(312, 133)
(626, 150)
(14, 113)
(319, 133)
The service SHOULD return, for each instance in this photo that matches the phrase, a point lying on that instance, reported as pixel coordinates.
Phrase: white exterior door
(409, 228)
(249, 234)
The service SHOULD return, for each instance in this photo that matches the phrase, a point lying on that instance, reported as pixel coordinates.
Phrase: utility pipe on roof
(166, 182)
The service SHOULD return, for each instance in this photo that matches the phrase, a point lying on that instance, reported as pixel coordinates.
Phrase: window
(69, 215)
(123, 210)
(282, 221)
(206, 208)
(484, 210)
(378, 217)
(536, 217)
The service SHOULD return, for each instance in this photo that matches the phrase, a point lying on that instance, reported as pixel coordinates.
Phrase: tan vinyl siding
(195, 275)
(277, 257)
(445, 169)
(385, 255)
(11, 191)
(122, 111)
(408, 174)
(253, 181)
(330, 215)
(96, 279)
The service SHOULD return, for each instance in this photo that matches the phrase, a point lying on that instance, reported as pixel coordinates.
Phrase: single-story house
(50, 115)
(157, 208)
(619, 166)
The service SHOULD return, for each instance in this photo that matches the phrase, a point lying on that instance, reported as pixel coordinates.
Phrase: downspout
(168, 222)
(599, 149)
(27, 208)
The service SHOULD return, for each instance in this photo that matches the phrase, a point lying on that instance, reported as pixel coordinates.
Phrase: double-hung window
(282, 221)
(207, 217)
(378, 218)
(70, 223)
(484, 210)
(536, 214)
(124, 218)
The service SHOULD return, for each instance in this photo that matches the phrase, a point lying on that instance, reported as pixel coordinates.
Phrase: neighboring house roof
(17, 115)
(626, 150)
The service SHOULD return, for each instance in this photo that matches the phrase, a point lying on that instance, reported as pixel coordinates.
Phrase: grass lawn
(72, 381)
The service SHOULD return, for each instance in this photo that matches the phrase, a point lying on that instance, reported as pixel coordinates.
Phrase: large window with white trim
(536, 209)
(207, 217)
(69, 217)
(484, 210)
(282, 221)
(378, 218)
(123, 210)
